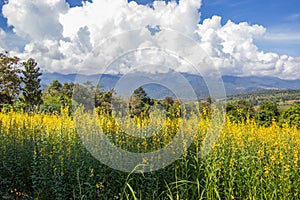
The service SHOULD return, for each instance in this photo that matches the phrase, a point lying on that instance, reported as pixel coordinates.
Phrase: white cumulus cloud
(66, 39)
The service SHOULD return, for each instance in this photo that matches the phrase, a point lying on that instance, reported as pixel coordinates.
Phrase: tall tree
(9, 79)
(31, 90)
(139, 103)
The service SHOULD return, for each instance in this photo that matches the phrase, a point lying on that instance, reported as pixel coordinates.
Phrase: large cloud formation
(61, 38)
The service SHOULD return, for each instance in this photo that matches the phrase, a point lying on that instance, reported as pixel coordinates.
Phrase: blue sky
(274, 14)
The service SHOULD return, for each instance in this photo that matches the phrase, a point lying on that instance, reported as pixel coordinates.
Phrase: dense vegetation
(42, 157)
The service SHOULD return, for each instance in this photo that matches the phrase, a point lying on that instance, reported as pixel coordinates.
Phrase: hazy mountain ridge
(233, 84)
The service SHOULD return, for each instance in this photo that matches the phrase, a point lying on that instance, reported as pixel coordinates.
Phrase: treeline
(20, 89)
(265, 115)
(278, 96)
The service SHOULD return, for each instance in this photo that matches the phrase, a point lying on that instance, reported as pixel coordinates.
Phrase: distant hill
(253, 83)
(233, 84)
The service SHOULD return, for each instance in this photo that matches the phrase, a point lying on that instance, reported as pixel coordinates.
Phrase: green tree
(291, 115)
(54, 88)
(139, 103)
(31, 90)
(167, 102)
(67, 90)
(9, 79)
(268, 112)
(240, 111)
(66, 94)
(52, 97)
(264, 117)
(271, 106)
(171, 106)
(103, 100)
(85, 94)
(91, 96)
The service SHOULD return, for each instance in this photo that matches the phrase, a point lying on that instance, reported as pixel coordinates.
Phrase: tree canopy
(139, 103)
(9, 78)
(31, 79)
(291, 115)
(267, 112)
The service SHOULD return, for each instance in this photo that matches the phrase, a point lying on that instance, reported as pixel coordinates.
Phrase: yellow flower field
(43, 157)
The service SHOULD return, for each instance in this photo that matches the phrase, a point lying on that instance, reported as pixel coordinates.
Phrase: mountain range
(232, 84)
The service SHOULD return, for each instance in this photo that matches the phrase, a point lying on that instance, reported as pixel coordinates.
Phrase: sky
(240, 37)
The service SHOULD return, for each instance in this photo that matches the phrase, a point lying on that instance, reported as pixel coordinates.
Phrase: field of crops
(43, 157)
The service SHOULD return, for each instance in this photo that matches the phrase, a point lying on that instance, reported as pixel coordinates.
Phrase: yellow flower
(144, 161)
(267, 170)
(92, 173)
(286, 168)
(272, 158)
(231, 162)
(296, 158)
(99, 185)
(260, 153)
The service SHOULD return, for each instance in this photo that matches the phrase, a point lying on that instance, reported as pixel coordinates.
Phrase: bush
(268, 112)
(291, 116)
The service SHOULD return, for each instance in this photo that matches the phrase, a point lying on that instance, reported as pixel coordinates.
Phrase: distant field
(282, 97)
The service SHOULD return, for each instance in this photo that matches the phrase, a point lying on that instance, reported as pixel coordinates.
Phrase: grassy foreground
(42, 157)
